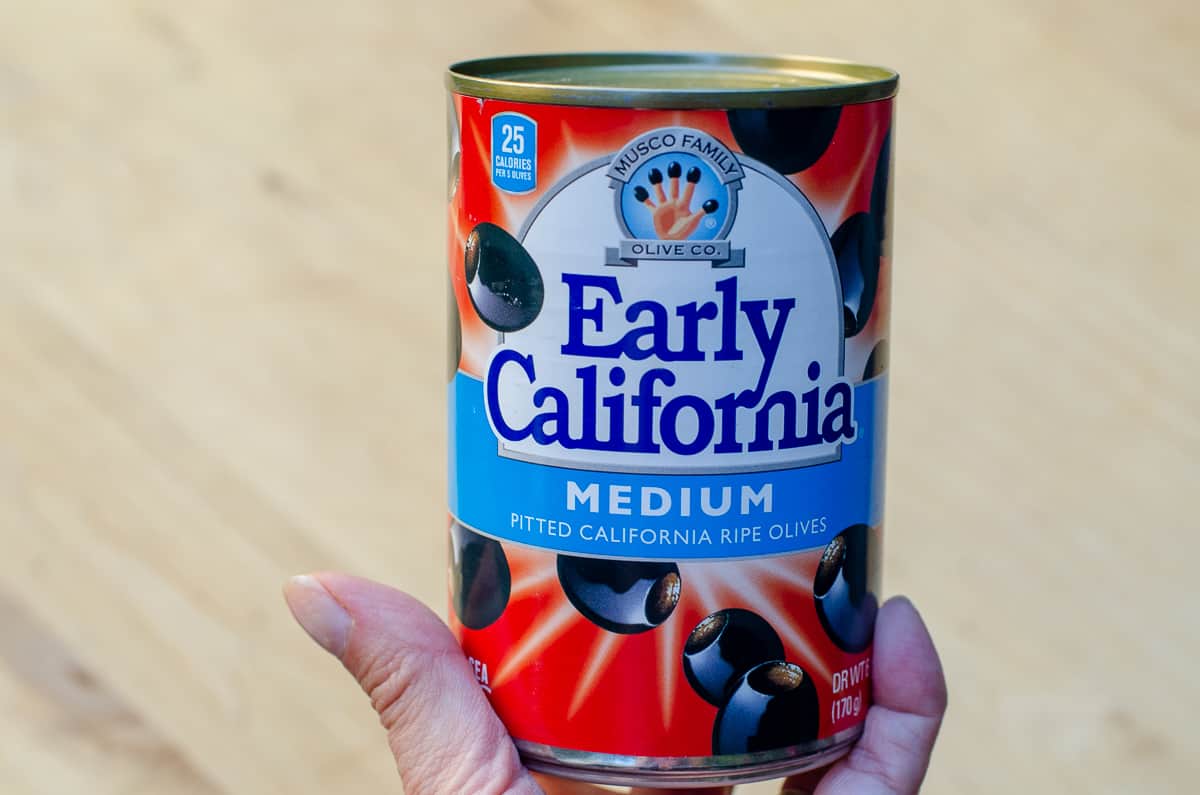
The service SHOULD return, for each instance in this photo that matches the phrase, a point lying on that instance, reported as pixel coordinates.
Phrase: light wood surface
(221, 357)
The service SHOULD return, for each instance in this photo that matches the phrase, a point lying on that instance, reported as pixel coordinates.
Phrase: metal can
(668, 380)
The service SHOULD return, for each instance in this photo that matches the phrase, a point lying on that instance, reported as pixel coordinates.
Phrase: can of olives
(669, 303)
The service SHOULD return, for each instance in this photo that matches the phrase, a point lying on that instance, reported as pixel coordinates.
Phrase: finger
(643, 195)
(693, 177)
(656, 178)
(441, 729)
(909, 690)
(673, 171)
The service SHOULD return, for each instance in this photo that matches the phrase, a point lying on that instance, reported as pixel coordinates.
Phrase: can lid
(672, 80)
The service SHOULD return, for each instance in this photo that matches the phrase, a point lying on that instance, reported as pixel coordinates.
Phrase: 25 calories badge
(514, 152)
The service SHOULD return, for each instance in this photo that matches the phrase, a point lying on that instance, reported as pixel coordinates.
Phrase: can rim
(786, 81)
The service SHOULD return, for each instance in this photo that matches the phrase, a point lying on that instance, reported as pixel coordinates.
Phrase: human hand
(447, 740)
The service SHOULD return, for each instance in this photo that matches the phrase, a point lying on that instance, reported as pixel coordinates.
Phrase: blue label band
(667, 517)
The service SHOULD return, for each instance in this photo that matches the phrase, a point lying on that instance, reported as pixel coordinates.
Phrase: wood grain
(220, 298)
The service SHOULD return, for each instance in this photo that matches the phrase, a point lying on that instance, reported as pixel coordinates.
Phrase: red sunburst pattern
(558, 679)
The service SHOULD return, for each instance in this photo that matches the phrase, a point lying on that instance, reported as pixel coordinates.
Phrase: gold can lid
(672, 80)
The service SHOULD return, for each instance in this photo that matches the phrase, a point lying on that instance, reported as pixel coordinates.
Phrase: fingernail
(318, 613)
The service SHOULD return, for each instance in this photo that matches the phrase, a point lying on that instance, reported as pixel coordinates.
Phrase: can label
(667, 414)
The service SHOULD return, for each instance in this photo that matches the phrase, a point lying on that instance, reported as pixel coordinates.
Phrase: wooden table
(220, 340)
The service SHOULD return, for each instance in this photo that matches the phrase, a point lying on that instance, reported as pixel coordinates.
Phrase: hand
(673, 217)
(446, 738)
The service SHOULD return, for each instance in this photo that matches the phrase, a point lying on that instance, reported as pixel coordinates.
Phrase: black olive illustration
(693, 175)
(710, 206)
(453, 334)
(879, 190)
(502, 279)
(786, 139)
(856, 247)
(480, 580)
(674, 170)
(877, 362)
(640, 193)
(844, 589)
(655, 176)
(619, 595)
(724, 646)
(773, 705)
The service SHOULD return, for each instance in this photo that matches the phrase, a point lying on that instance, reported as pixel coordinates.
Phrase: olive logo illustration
(671, 208)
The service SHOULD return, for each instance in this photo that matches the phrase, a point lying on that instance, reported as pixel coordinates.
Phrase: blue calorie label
(514, 152)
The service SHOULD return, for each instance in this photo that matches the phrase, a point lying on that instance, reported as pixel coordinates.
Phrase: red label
(745, 626)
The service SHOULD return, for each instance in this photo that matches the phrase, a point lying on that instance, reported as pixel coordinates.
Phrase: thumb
(441, 729)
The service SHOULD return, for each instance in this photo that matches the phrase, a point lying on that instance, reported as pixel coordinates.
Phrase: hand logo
(673, 216)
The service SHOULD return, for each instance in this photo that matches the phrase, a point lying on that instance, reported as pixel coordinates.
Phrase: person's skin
(446, 738)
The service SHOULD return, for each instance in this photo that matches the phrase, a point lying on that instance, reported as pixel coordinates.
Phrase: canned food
(668, 379)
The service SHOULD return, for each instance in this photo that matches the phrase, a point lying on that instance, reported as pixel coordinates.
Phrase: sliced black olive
(856, 247)
(773, 705)
(877, 362)
(724, 646)
(480, 580)
(620, 595)
(880, 200)
(788, 140)
(844, 588)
